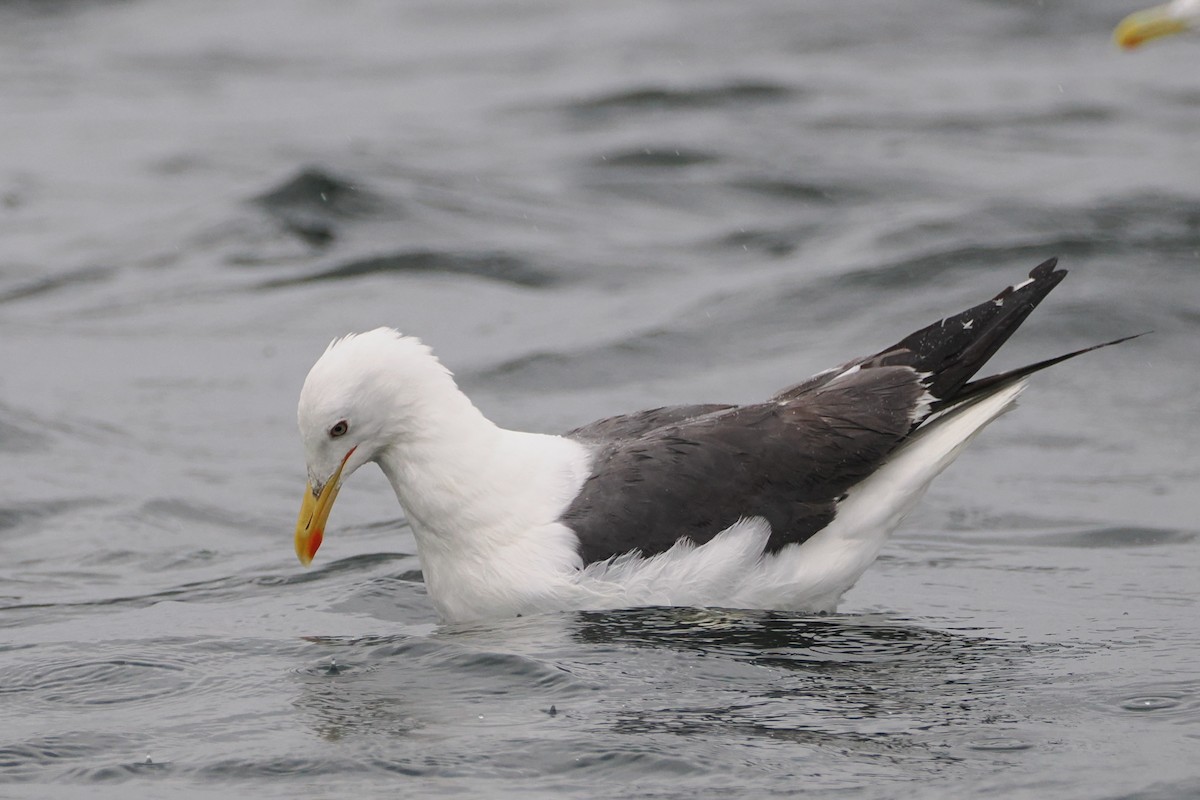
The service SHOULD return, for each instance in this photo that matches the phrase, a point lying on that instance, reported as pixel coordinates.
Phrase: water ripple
(35, 287)
(494, 266)
(660, 98)
(1112, 536)
(661, 157)
(314, 202)
(999, 744)
(26, 516)
(1169, 700)
(29, 759)
(95, 681)
(223, 587)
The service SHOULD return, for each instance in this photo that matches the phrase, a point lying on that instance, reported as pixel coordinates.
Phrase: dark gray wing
(692, 471)
(629, 425)
(788, 462)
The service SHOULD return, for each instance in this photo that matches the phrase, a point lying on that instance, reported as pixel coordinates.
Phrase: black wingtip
(1045, 268)
(1042, 279)
(953, 349)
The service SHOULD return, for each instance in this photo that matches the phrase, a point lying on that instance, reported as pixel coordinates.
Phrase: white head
(367, 393)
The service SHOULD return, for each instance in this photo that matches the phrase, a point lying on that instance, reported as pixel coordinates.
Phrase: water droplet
(1152, 703)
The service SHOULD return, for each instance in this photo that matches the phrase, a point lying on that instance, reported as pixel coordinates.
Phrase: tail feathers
(992, 383)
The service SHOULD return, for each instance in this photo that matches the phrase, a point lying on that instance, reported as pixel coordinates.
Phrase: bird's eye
(340, 428)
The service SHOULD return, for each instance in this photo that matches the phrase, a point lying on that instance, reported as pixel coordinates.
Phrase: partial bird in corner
(1178, 16)
(781, 504)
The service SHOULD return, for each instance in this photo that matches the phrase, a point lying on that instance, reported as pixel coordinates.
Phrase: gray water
(586, 208)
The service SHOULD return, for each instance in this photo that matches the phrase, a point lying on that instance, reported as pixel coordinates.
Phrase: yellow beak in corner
(314, 510)
(1142, 26)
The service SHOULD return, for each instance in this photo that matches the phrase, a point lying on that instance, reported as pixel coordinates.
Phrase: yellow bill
(314, 510)
(1142, 26)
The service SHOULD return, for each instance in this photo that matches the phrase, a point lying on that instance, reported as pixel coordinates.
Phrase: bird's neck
(478, 496)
